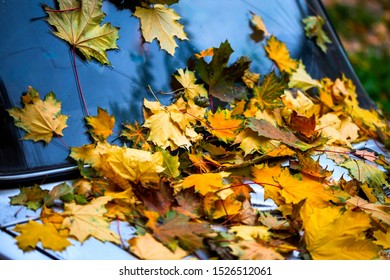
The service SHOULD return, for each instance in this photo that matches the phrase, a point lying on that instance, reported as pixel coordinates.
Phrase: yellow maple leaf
(169, 127)
(251, 142)
(330, 233)
(251, 232)
(299, 187)
(226, 207)
(250, 79)
(300, 103)
(161, 23)
(265, 176)
(301, 79)
(278, 52)
(135, 165)
(148, 248)
(187, 79)
(206, 183)
(40, 119)
(338, 131)
(90, 153)
(102, 124)
(87, 220)
(79, 25)
(382, 239)
(223, 125)
(34, 232)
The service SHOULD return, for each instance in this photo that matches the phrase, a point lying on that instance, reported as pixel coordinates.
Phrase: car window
(30, 55)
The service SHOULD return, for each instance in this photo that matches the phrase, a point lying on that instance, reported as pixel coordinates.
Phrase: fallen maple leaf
(333, 234)
(378, 212)
(266, 176)
(228, 206)
(296, 100)
(78, 23)
(205, 183)
(304, 126)
(161, 23)
(40, 119)
(314, 28)
(278, 52)
(266, 129)
(31, 197)
(301, 79)
(187, 79)
(61, 191)
(251, 232)
(178, 229)
(148, 248)
(220, 77)
(268, 93)
(250, 79)
(169, 127)
(223, 125)
(137, 135)
(34, 232)
(85, 221)
(370, 174)
(306, 164)
(296, 188)
(102, 124)
(135, 165)
(382, 239)
(251, 142)
(171, 165)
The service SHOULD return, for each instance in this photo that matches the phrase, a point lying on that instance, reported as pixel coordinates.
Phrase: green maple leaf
(370, 174)
(314, 28)
(31, 197)
(78, 23)
(171, 164)
(220, 77)
(62, 191)
(269, 92)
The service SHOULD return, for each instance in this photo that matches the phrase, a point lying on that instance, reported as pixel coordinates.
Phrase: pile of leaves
(183, 178)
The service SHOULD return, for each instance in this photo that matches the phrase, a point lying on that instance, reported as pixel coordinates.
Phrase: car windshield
(30, 55)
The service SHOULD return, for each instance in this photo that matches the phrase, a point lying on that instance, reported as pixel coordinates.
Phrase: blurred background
(364, 28)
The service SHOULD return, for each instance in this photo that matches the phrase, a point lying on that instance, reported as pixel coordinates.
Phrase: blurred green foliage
(364, 26)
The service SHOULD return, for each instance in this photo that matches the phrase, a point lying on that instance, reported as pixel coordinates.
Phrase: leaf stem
(80, 89)
(150, 88)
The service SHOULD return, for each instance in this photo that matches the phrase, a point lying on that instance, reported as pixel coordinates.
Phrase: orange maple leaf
(223, 125)
(102, 124)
